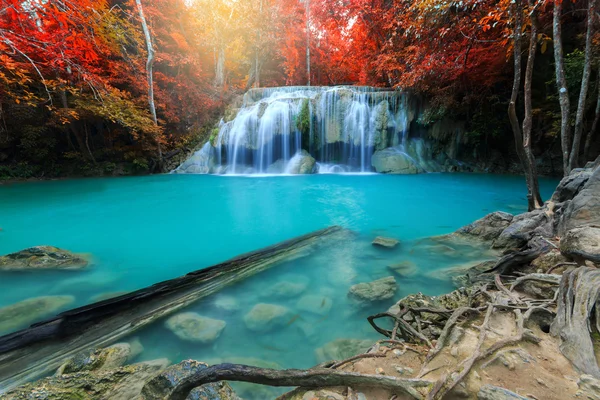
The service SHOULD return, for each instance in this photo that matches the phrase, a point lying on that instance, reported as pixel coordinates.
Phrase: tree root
(408, 331)
(292, 377)
(507, 264)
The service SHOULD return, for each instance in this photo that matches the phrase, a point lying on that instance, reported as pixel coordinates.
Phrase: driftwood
(40, 349)
(507, 264)
(579, 295)
(311, 378)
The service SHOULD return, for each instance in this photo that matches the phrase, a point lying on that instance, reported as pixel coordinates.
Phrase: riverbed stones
(394, 161)
(385, 242)
(582, 244)
(26, 312)
(314, 303)
(289, 286)
(341, 349)
(379, 290)
(40, 258)
(266, 317)
(227, 304)
(192, 327)
(161, 386)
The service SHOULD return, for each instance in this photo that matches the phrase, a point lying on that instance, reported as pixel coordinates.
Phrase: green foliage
(303, 123)
(432, 114)
(21, 170)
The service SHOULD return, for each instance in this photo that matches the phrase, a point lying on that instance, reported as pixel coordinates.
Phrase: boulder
(266, 317)
(548, 260)
(582, 244)
(584, 209)
(404, 269)
(571, 185)
(341, 349)
(394, 161)
(315, 304)
(40, 258)
(388, 243)
(379, 290)
(487, 228)
(193, 327)
(111, 357)
(523, 227)
(302, 164)
(163, 385)
(124, 383)
(26, 312)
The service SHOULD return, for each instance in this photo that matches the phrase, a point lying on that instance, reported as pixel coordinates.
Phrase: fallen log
(41, 348)
(311, 378)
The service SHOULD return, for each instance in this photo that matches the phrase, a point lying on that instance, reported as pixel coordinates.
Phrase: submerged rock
(124, 383)
(265, 317)
(388, 243)
(404, 269)
(41, 258)
(314, 303)
(26, 312)
(227, 303)
(163, 385)
(381, 289)
(193, 327)
(290, 286)
(394, 161)
(582, 244)
(341, 349)
(111, 357)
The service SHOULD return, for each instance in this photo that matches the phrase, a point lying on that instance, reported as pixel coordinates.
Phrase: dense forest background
(75, 74)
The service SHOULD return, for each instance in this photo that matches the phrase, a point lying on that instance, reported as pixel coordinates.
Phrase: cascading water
(305, 130)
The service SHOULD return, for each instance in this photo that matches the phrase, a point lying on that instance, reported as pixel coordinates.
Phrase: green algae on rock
(40, 258)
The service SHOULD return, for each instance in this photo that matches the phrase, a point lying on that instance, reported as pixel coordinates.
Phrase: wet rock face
(584, 208)
(379, 290)
(302, 164)
(489, 227)
(26, 312)
(111, 357)
(582, 244)
(163, 385)
(192, 327)
(41, 258)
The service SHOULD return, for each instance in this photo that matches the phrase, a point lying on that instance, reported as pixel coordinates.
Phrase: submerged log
(41, 348)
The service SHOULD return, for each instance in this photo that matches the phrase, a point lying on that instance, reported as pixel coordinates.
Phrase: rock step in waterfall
(306, 130)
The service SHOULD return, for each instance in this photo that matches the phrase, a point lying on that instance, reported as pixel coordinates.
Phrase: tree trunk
(149, 73)
(561, 84)
(220, 66)
(308, 40)
(523, 140)
(585, 83)
(594, 129)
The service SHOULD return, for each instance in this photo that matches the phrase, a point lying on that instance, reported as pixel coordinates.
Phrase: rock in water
(341, 349)
(163, 385)
(26, 312)
(41, 258)
(388, 243)
(381, 289)
(302, 164)
(227, 303)
(266, 317)
(315, 304)
(290, 286)
(111, 357)
(124, 383)
(193, 327)
(582, 244)
(394, 161)
(489, 227)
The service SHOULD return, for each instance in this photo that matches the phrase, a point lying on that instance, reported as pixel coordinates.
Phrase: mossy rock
(41, 258)
(26, 312)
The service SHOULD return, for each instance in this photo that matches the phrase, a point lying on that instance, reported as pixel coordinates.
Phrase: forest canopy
(74, 75)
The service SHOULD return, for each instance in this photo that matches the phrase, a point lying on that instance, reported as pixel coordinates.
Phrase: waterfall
(334, 129)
